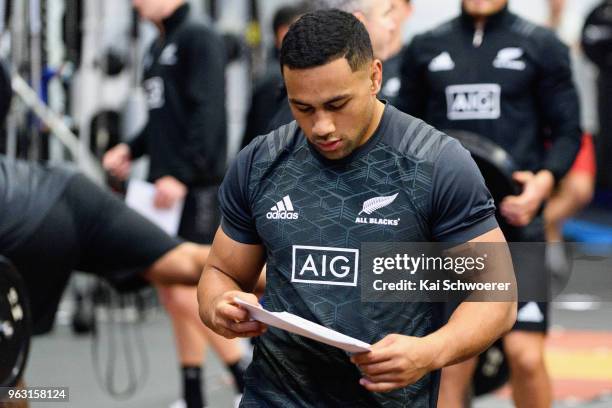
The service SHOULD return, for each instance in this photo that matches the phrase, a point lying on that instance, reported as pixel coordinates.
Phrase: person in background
(402, 10)
(495, 74)
(556, 12)
(268, 95)
(185, 139)
(54, 220)
(574, 192)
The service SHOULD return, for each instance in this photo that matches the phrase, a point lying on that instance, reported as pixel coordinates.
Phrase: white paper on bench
(298, 325)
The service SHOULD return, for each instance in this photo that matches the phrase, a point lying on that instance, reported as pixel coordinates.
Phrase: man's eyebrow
(332, 100)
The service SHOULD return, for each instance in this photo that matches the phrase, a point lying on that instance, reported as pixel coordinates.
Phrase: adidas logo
(530, 313)
(442, 62)
(283, 210)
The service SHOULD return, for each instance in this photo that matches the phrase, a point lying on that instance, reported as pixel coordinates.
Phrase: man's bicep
(241, 262)
(498, 266)
(494, 235)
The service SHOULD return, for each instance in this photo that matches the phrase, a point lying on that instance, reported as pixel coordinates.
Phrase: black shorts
(201, 215)
(533, 288)
(532, 316)
(89, 230)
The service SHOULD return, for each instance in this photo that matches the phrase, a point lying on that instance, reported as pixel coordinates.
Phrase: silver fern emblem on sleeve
(377, 203)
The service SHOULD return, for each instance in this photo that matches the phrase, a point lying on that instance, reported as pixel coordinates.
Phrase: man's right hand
(230, 320)
(118, 161)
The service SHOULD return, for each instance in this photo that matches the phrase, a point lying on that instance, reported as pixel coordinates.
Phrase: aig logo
(474, 101)
(325, 266)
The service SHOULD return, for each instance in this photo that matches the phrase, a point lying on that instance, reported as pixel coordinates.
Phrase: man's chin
(333, 155)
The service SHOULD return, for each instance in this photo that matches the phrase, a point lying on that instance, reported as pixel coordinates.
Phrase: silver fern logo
(375, 204)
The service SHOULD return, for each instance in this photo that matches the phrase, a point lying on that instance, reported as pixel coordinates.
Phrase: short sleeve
(237, 218)
(462, 206)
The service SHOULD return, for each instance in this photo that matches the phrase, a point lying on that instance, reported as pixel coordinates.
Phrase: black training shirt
(507, 83)
(184, 78)
(308, 210)
(27, 193)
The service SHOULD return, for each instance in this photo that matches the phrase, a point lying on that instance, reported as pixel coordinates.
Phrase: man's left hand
(395, 362)
(168, 191)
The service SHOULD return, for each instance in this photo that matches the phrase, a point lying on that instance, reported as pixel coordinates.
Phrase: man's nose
(323, 125)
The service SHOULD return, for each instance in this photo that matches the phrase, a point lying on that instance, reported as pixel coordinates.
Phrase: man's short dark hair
(322, 36)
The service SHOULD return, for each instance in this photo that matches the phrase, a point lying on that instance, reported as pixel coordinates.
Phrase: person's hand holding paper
(232, 320)
(395, 362)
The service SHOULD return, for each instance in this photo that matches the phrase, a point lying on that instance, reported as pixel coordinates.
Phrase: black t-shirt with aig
(310, 212)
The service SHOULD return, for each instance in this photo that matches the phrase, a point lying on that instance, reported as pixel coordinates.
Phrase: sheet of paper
(140, 196)
(298, 325)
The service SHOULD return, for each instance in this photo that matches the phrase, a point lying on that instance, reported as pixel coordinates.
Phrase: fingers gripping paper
(298, 325)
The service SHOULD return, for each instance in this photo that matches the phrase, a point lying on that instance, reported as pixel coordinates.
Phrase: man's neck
(480, 22)
(170, 9)
(379, 109)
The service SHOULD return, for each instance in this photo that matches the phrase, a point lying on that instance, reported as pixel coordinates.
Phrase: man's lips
(329, 146)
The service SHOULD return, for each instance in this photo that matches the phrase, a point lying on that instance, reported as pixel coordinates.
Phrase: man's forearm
(546, 182)
(472, 328)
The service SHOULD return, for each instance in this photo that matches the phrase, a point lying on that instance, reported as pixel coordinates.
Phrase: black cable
(118, 320)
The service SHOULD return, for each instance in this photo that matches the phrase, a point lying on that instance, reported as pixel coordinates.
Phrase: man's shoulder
(413, 137)
(536, 34)
(541, 43)
(198, 31)
(438, 33)
(269, 146)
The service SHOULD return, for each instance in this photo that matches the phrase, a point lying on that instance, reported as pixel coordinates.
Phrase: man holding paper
(297, 200)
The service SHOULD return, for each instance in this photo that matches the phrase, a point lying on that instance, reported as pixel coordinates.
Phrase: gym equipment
(597, 35)
(597, 45)
(15, 325)
(492, 371)
(113, 62)
(6, 93)
(494, 163)
(118, 341)
(56, 123)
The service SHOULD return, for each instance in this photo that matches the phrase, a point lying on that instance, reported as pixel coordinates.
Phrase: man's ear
(360, 16)
(376, 75)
